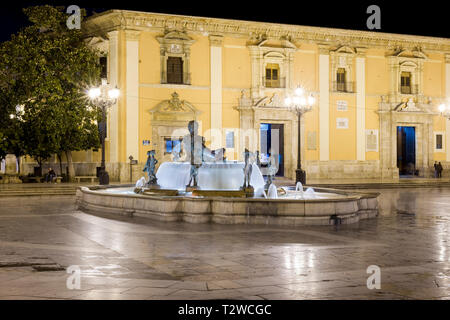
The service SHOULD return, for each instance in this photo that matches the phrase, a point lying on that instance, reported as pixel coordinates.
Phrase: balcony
(279, 83)
(176, 78)
(348, 87)
(413, 89)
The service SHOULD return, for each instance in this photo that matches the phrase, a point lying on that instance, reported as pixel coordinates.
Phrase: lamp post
(103, 97)
(300, 103)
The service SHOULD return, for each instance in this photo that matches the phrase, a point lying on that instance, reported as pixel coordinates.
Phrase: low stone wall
(118, 172)
(291, 212)
(343, 169)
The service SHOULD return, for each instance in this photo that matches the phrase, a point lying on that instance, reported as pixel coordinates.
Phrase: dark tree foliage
(45, 72)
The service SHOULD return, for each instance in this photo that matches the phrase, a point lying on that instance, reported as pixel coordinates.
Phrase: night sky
(431, 20)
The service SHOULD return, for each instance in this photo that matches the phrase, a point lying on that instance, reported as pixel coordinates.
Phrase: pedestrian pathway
(138, 258)
(370, 183)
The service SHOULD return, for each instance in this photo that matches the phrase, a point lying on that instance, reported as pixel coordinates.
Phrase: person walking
(435, 169)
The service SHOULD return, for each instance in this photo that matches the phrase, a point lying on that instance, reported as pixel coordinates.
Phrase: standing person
(439, 167)
(435, 169)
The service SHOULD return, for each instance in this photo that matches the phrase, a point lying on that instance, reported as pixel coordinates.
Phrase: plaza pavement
(137, 258)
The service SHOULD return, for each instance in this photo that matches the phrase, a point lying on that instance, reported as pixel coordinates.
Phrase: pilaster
(447, 95)
(113, 75)
(360, 105)
(324, 103)
(216, 89)
(132, 93)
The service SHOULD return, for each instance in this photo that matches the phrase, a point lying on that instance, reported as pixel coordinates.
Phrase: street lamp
(103, 97)
(444, 110)
(300, 103)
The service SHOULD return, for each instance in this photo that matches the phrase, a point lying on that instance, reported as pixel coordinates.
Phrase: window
(439, 142)
(340, 80)
(104, 67)
(272, 75)
(174, 70)
(170, 144)
(405, 83)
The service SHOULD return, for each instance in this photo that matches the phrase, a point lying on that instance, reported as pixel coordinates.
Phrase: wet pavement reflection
(138, 258)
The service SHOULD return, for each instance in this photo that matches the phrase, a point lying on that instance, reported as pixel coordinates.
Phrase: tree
(46, 68)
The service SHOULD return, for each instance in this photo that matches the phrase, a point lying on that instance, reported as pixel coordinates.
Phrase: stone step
(381, 185)
(29, 194)
(37, 191)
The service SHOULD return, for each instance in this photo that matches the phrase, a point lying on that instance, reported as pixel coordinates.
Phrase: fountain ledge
(289, 212)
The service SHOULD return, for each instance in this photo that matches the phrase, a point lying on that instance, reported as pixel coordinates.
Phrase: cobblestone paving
(137, 258)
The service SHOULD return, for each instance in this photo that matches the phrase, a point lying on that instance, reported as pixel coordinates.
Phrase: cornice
(216, 40)
(132, 35)
(144, 21)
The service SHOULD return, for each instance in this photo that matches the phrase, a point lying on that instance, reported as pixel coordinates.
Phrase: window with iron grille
(175, 70)
(272, 75)
(439, 142)
(340, 80)
(405, 81)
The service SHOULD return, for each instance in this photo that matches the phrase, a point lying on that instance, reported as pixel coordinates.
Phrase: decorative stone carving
(267, 50)
(216, 40)
(447, 57)
(169, 119)
(342, 58)
(275, 101)
(132, 35)
(175, 104)
(411, 106)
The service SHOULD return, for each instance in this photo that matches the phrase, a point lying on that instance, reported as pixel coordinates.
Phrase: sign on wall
(311, 140)
(229, 139)
(342, 123)
(372, 140)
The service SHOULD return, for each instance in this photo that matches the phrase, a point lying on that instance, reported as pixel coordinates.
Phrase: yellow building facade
(377, 94)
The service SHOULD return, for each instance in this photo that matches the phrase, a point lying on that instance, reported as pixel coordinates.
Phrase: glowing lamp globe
(299, 91)
(113, 93)
(94, 93)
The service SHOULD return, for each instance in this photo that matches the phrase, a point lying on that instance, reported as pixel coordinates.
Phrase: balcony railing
(184, 78)
(414, 89)
(348, 87)
(279, 83)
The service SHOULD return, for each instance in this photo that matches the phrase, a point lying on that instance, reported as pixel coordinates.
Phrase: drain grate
(37, 263)
(48, 267)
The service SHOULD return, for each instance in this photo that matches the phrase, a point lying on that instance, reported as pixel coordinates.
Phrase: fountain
(273, 192)
(202, 186)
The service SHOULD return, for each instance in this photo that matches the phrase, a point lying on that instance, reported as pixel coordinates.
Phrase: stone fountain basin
(341, 208)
